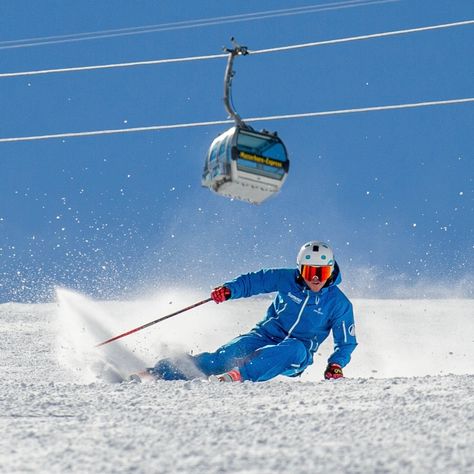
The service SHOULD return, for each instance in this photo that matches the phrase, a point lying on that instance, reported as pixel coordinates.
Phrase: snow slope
(407, 404)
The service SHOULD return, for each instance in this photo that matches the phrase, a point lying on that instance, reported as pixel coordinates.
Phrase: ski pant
(258, 358)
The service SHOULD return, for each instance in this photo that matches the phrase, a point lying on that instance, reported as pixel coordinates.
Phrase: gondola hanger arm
(229, 74)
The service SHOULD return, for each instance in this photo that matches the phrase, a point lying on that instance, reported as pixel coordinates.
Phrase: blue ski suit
(284, 342)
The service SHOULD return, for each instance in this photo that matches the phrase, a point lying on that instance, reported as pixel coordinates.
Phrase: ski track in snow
(406, 406)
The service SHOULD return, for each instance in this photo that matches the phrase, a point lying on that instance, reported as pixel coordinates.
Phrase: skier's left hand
(220, 294)
(333, 371)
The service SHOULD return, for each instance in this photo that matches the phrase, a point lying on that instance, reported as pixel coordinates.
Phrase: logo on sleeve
(352, 330)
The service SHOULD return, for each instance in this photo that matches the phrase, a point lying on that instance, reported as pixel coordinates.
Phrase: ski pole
(139, 328)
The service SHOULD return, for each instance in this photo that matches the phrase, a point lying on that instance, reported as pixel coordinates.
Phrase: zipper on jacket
(299, 317)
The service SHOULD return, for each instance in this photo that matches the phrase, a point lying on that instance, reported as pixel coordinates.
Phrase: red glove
(220, 294)
(333, 371)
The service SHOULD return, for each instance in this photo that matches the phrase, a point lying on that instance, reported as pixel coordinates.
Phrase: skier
(307, 307)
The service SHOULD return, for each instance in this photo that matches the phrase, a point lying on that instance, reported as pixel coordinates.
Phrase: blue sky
(121, 215)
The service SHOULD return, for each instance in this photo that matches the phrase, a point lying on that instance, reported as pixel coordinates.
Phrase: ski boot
(144, 376)
(230, 376)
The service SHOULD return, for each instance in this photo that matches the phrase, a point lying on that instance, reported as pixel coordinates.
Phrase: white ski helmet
(315, 253)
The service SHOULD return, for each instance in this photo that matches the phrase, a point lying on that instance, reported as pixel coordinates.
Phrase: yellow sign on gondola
(260, 159)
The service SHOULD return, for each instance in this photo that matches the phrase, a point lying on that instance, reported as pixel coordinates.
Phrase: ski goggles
(308, 272)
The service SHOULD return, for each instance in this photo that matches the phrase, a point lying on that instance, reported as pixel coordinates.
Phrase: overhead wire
(261, 51)
(364, 37)
(252, 119)
(87, 36)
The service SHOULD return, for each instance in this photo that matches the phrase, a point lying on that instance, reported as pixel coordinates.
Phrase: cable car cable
(252, 119)
(113, 33)
(364, 37)
(218, 56)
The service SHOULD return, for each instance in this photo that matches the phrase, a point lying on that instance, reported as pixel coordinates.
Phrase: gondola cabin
(246, 165)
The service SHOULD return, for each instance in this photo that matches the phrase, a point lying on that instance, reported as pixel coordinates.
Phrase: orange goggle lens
(308, 272)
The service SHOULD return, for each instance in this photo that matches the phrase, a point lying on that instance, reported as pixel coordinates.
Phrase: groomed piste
(406, 404)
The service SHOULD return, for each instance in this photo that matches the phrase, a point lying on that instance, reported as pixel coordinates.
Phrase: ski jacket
(297, 312)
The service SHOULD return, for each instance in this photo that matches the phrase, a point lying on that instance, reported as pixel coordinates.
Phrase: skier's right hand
(220, 294)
